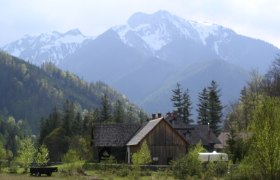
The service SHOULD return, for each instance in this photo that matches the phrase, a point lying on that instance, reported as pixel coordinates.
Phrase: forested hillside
(29, 93)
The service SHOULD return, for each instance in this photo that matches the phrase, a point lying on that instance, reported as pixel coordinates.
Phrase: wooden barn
(167, 139)
(111, 139)
(164, 142)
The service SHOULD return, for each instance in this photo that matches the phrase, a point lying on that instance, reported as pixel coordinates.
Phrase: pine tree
(68, 118)
(177, 99)
(106, 109)
(186, 107)
(119, 114)
(203, 107)
(77, 125)
(214, 107)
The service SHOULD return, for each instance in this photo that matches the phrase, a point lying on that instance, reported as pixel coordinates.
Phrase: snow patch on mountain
(47, 47)
(159, 29)
(204, 30)
(155, 39)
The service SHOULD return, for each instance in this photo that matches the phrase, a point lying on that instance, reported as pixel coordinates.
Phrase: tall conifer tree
(214, 107)
(177, 99)
(106, 111)
(186, 107)
(203, 107)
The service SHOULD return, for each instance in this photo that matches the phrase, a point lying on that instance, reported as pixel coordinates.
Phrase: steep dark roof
(117, 135)
(194, 133)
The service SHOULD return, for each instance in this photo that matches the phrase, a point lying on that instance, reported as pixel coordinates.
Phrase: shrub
(188, 165)
(143, 156)
(73, 163)
(123, 171)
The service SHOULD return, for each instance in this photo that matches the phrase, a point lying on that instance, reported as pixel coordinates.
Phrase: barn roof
(143, 131)
(113, 135)
(194, 133)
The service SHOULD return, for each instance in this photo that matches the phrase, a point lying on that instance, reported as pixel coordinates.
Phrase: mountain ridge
(142, 56)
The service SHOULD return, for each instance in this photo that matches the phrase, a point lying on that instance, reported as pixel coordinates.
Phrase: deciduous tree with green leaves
(26, 153)
(143, 156)
(42, 156)
(188, 165)
(264, 152)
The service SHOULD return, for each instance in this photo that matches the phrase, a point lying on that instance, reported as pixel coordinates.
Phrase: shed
(111, 139)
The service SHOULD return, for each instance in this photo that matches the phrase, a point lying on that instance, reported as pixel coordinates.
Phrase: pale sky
(259, 19)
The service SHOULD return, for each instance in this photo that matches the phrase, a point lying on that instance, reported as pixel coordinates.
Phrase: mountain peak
(144, 18)
(74, 32)
(161, 28)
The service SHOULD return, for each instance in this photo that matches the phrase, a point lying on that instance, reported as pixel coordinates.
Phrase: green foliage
(26, 153)
(73, 163)
(42, 156)
(203, 107)
(182, 103)
(264, 152)
(28, 88)
(214, 107)
(186, 107)
(3, 154)
(71, 156)
(81, 145)
(57, 143)
(109, 160)
(143, 156)
(11, 132)
(210, 108)
(177, 98)
(189, 165)
(216, 169)
(106, 110)
(119, 113)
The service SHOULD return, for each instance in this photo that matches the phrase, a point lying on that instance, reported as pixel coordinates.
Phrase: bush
(188, 165)
(13, 168)
(123, 171)
(73, 168)
(73, 164)
(163, 174)
(143, 156)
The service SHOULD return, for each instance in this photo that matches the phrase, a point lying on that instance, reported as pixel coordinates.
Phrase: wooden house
(194, 133)
(164, 142)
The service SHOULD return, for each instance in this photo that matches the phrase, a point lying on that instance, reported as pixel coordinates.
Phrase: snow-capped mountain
(147, 56)
(51, 47)
(184, 42)
(161, 28)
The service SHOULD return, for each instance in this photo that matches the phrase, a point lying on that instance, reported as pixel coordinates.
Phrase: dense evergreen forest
(57, 106)
(29, 93)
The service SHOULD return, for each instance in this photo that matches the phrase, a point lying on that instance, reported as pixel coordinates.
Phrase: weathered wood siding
(165, 144)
